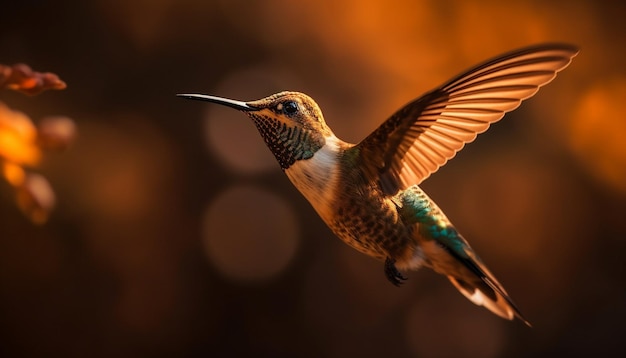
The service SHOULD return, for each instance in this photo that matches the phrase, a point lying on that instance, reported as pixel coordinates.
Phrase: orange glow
(56, 132)
(125, 183)
(13, 173)
(14, 149)
(598, 132)
(17, 137)
(36, 198)
(27, 83)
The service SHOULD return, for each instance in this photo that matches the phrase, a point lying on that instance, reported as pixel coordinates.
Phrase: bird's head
(291, 123)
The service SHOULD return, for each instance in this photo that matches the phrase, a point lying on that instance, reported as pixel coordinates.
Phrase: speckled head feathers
(291, 123)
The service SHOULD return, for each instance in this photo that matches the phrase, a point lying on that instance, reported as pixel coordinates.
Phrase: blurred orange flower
(21, 77)
(21, 142)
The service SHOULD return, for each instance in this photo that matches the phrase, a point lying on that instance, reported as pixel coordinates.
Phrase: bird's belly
(371, 227)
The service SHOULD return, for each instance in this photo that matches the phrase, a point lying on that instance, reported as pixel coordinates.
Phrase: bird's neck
(316, 178)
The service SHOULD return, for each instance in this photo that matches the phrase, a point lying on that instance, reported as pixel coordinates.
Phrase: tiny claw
(393, 275)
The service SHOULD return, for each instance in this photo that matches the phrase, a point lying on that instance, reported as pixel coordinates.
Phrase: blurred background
(176, 234)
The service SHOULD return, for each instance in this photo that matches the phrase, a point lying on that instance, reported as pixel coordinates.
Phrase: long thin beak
(242, 106)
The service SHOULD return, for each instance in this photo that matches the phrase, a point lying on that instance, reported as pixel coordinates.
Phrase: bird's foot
(393, 275)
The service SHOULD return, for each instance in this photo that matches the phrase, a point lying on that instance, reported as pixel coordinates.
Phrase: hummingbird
(368, 193)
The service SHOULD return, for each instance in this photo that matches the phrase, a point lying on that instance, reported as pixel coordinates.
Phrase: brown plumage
(367, 193)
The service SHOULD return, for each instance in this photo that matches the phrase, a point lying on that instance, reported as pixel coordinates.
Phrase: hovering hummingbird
(368, 194)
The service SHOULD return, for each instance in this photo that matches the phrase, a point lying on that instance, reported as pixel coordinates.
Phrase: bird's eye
(290, 107)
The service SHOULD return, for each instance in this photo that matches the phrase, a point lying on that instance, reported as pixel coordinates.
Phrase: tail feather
(471, 277)
(491, 295)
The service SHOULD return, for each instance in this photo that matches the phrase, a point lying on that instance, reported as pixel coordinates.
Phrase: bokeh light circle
(250, 234)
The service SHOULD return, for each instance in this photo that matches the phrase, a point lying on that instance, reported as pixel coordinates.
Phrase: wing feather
(427, 132)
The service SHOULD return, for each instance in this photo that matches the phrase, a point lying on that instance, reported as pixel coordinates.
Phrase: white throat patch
(317, 176)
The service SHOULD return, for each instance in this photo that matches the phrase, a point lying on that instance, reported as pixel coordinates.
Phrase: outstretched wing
(424, 134)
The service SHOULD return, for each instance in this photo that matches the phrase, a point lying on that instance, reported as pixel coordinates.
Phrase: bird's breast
(316, 178)
(358, 212)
